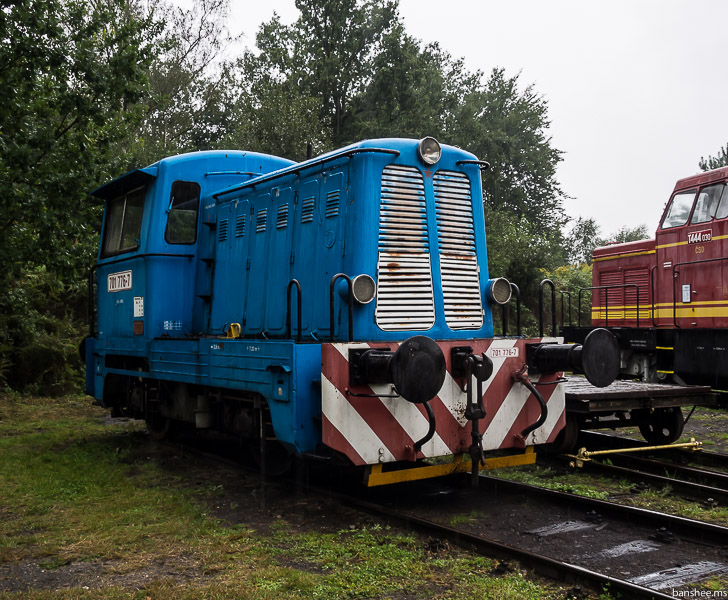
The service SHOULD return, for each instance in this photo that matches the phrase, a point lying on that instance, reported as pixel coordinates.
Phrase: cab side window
(705, 207)
(182, 214)
(722, 211)
(679, 210)
(123, 228)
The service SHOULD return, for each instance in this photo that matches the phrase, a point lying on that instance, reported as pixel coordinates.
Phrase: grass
(85, 513)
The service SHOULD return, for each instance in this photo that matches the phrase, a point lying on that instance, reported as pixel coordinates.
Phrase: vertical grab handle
(291, 283)
(540, 307)
(332, 289)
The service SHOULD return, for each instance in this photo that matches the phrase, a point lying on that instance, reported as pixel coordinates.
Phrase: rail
(606, 300)
(565, 293)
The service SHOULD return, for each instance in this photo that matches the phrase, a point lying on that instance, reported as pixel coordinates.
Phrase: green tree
(626, 234)
(328, 52)
(273, 116)
(715, 162)
(508, 127)
(581, 240)
(71, 73)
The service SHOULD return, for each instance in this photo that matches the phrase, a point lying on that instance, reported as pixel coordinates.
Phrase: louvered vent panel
(282, 216)
(261, 220)
(641, 278)
(615, 295)
(240, 226)
(332, 203)
(458, 260)
(404, 288)
(307, 210)
(222, 230)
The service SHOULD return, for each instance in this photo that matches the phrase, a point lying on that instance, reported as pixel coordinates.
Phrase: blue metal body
(263, 222)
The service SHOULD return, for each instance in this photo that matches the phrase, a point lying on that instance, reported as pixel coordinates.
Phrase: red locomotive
(666, 299)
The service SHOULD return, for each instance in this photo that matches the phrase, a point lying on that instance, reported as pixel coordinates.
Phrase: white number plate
(503, 352)
(119, 281)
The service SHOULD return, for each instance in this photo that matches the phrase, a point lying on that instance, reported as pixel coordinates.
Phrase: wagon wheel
(665, 426)
(566, 440)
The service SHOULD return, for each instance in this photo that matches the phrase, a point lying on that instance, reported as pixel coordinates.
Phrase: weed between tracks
(85, 512)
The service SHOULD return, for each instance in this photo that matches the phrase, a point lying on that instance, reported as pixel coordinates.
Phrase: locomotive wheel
(159, 426)
(664, 427)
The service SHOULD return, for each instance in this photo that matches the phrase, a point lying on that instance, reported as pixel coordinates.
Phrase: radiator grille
(458, 260)
(404, 289)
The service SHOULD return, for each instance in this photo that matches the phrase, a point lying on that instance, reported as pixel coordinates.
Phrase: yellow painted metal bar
(460, 464)
(585, 455)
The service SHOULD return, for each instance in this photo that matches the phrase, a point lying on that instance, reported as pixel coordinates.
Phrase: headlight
(363, 288)
(498, 290)
(429, 150)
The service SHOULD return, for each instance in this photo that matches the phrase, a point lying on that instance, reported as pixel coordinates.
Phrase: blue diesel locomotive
(339, 307)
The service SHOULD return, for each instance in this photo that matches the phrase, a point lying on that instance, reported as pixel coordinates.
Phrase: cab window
(707, 203)
(679, 209)
(182, 215)
(722, 211)
(123, 227)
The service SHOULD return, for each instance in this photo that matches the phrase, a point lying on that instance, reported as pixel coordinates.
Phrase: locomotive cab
(149, 255)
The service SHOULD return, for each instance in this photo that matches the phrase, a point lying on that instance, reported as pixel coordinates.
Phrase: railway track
(581, 541)
(701, 484)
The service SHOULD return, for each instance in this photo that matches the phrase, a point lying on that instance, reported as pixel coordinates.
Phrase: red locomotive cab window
(707, 203)
(679, 210)
(722, 211)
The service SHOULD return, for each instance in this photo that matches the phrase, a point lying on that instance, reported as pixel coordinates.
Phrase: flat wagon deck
(655, 408)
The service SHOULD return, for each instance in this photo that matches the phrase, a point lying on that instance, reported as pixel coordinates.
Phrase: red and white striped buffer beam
(371, 424)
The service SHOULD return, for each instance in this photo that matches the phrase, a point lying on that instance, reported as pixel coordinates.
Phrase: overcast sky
(637, 89)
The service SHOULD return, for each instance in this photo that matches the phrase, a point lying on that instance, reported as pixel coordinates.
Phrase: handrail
(674, 278)
(505, 309)
(301, 166)
(291, 283)
(652, 293)
(332, 286)
(540, 307)
(483, 164)
(606, 300)
(565, 293)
